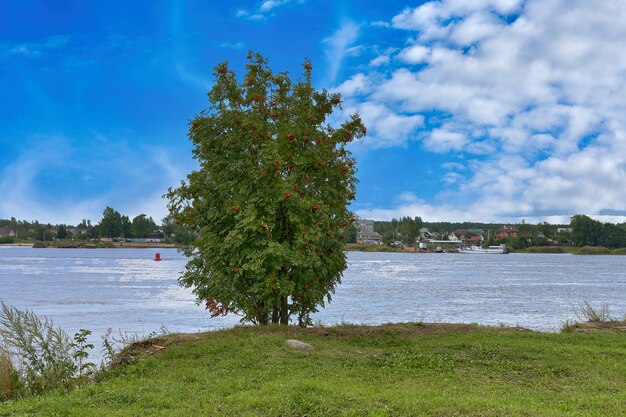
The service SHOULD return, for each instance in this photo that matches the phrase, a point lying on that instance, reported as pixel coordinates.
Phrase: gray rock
(298, 345)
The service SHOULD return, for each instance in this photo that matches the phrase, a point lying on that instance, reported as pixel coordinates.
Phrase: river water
(127, 291)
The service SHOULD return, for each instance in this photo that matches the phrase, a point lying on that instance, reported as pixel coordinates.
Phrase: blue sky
(485, 110)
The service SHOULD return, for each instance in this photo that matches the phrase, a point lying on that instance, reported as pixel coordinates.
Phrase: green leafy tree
(585, 230)
(111, 223)
(62, 232)
(409, 229)
(142, 225)
(126, 226)
(269, 201)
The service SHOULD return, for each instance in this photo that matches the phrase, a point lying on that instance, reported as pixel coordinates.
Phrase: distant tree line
(113, 225)
(586, 231)
(406, 231)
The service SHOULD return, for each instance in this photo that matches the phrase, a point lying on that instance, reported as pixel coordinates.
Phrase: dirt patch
(148, 347)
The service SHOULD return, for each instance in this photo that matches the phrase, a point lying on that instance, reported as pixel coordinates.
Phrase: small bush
(619, 251)
(7, 239)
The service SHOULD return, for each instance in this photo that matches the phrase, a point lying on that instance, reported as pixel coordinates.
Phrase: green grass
(592, 250)
(362, 247)
(392, 370)
(546, 249)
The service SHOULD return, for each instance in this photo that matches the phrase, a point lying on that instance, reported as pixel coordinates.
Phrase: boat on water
(499, 249)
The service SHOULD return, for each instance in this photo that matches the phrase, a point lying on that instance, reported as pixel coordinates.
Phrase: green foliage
(81, 353)
(142, 225)
(405, 230)
(586, 231)
(350, 233)
(7, 239)
(177, 232)
(112, 223)
(269, 201)
(62, 232)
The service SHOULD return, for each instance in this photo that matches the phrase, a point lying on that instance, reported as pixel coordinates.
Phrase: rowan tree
(269, 201)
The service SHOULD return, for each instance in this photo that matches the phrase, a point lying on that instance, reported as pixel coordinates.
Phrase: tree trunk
(284, 311)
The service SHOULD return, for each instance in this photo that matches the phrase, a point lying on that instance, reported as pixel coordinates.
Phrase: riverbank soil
(391, 370)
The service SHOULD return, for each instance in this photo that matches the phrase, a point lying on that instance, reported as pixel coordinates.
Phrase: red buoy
(157, 256)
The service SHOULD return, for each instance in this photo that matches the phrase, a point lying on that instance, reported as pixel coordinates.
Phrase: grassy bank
(584, 250)
(392, 370)
(359, 247)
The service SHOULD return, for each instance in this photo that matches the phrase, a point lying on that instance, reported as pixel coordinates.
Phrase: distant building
(564, 230)
(156, 236)
(473, 235)
(366, 233)
(7, 231)
(507, 231)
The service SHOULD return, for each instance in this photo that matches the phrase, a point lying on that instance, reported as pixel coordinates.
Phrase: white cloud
(337, 47)
(415, 54)
(266, 7)
(385, 127)
(534, 88)
(380, 60)
(40, 185)
(358, 84)
(442, 140)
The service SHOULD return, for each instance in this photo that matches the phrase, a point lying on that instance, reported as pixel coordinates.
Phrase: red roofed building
(507, 231)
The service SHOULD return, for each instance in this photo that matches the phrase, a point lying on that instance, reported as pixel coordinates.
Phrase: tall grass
(39, 357)
(6, 374)
(588, 313)
(42, 351)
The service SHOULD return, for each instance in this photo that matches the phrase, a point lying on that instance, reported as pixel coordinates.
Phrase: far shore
(100, 245)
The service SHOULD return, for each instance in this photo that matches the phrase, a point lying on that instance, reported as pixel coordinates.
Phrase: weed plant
(594, 315)
(45, 357)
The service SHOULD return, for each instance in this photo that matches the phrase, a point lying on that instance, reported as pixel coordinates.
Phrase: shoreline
(126, 245)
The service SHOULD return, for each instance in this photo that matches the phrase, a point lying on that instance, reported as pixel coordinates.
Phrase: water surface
(126, 290)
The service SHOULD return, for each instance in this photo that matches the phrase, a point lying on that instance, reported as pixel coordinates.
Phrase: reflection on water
(126, 289)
